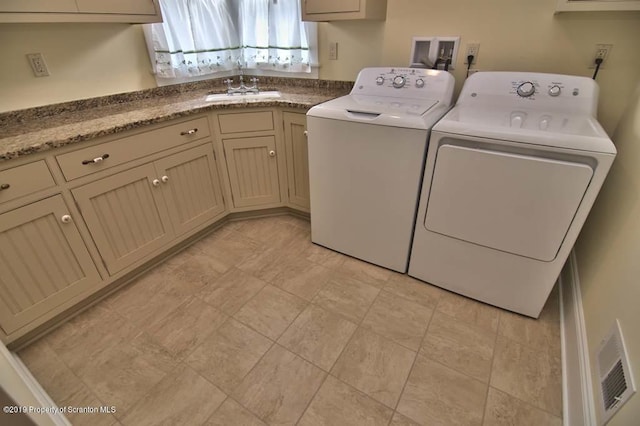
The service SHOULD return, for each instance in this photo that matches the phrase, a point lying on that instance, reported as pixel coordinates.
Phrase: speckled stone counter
(38, 129)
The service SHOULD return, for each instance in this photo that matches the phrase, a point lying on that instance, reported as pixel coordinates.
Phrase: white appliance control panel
(403, 83)
(531, 90)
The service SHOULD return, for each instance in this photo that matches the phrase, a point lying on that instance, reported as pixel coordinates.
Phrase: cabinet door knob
(272, 153)
(66, 218)
(4, 186)
(188, 132)
(155, 182)
(165, 179)
(306, 133)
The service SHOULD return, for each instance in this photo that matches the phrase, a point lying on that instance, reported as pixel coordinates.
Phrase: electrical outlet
(472, 49)
(333, 51)
(602, 52)
(38, 65)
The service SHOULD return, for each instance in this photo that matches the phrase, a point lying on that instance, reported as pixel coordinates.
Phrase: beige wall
(85, 60)
(608, 253)
(89, 60)
(515, 35)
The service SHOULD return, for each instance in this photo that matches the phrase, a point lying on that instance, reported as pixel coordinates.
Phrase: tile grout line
(424, 336)
(542, 353)
(493, 358)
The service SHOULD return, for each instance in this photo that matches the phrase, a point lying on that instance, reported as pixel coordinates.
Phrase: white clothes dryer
(511, 174)
(366, 159)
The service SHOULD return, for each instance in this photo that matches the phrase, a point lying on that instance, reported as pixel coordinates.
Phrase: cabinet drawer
(80, 163)
(246, 122)
(24, 180)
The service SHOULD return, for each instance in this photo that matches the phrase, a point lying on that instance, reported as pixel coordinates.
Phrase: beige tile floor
(255, 325)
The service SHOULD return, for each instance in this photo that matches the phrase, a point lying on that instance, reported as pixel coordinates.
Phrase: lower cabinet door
(253, 170)
(295, 142)
(126, 215)
(44, 262)
(191, 187)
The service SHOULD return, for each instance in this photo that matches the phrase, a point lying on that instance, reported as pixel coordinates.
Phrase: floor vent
(616, 381)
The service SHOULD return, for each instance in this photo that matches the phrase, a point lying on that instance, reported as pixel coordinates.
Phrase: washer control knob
(380, 81)
(398, 81)
(526, 89)
(554, 91)
(419, 83)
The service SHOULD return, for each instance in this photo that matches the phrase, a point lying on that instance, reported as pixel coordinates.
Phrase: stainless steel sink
(237, 96)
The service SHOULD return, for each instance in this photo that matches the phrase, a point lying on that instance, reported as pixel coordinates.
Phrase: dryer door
(515, 203)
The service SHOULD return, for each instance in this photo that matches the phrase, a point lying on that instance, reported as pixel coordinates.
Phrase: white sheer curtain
(200, 37)
(273, 36)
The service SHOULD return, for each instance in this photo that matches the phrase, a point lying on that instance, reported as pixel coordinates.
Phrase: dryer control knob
(419, 83)
(398, 81)
(554, 91)
(380, 81)
(526, 89)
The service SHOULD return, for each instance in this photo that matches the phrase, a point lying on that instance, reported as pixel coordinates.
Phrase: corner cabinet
(253, 170)
(338, 10)
(129, 11)
(134, 213)
(44, 261)
(295, 144)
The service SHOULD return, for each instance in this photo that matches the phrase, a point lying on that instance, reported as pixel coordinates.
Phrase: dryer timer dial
(398, 81)
(526, 89)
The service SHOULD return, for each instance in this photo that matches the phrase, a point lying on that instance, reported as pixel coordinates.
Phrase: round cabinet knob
(554, 91)
(398, 81)
(526, 89)
(4, 186)
(419, 83)
(65, 218)
(155, 182)
(272, 153)
(165, 179)
(306, 133)
(380, 81)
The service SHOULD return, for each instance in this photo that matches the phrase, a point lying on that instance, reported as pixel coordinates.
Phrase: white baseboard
(577, 390)
(22, 387)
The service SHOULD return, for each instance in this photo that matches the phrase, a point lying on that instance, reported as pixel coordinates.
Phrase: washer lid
(538, 127)
(382, 110)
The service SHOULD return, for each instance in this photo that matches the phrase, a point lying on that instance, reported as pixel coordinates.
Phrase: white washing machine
(366, 160)
(512, 172)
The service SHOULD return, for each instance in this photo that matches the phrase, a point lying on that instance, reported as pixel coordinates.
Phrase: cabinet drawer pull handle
(96, 160)
(66, 218)
(165, 179)
(272, 153)
(188, 132)
(155, 182)
(4, 186)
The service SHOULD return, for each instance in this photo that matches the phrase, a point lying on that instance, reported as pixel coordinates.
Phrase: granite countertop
(38, 129)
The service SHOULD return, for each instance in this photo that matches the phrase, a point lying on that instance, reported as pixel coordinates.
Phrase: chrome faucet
(242, 89)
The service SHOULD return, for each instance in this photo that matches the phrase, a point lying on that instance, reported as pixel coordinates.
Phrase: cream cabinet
(134, 213)
(130, 11)
(253, 170)
(295, 143)
(44, 261)
(337, 10)
(596, 5)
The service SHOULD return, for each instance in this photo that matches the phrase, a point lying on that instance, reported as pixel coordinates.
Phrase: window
(208, 37)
